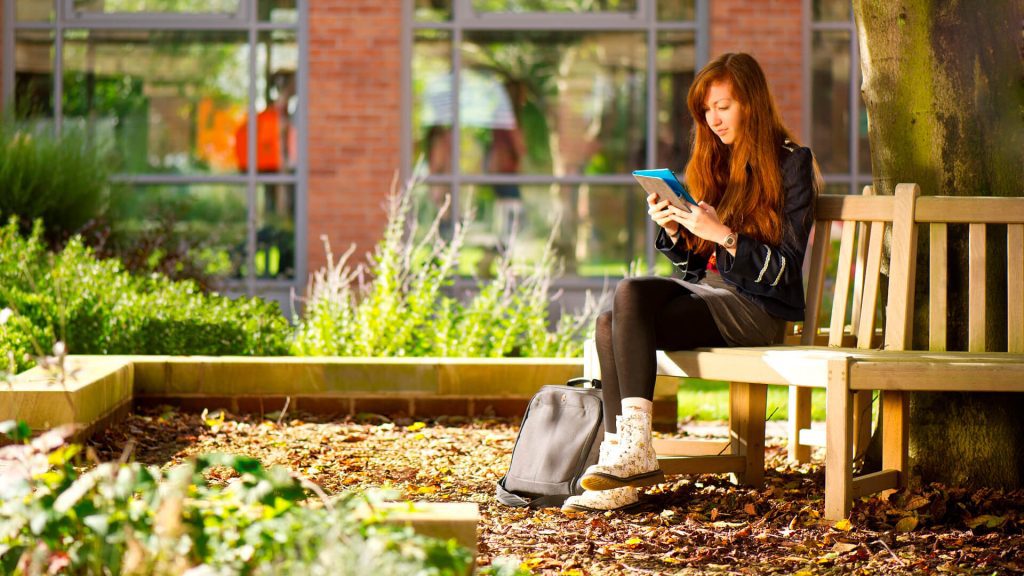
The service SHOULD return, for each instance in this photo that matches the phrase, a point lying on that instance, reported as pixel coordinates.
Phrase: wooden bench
(899, 370)
(803, 362)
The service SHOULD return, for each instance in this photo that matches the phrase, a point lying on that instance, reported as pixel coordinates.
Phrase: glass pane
(198, 226)
(600, 229)
(33, 76)
(677, 10)
(275, 231)
(677, 60)
(33, 10)
(281, 11)
(171, 101)
(158, 6)
(830, 100)
(433, 10)
(576, 99)
(831, 10)
(431, 99)
(577, 6)
(277, 60)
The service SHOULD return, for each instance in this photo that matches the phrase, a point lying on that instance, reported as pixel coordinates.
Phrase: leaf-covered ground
(693, 525)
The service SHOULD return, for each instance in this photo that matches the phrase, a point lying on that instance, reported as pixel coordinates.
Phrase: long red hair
(749, 202)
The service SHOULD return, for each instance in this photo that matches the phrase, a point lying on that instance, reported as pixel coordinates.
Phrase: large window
(170, 86)
(558, 101)
(838, 126)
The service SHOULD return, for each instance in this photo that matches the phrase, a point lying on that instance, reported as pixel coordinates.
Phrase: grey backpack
(560, 436)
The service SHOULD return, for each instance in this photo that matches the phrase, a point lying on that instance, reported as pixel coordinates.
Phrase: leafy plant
(96, 307)
(119, 518)
(60, 180)
(406, 307)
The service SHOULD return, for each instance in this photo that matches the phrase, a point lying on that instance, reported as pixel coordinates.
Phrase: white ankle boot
(632, 462)
(604, 500)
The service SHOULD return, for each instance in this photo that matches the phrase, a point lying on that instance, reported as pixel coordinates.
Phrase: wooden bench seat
(898, 370)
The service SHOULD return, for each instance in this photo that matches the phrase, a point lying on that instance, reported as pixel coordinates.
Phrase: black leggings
(648, 314)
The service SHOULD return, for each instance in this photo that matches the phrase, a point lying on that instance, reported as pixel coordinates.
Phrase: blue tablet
(646, 177)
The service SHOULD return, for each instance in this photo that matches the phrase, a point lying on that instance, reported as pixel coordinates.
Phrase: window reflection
(571, 103)
(579, 6)
(157, 6)
(33, 76)
(677, 60)
(206, 223)
(831, 100)
(159, 95)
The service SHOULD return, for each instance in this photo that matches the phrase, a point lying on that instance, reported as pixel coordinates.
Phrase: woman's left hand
(703, 222)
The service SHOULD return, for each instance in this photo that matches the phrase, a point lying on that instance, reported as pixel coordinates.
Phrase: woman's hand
(703, 221)
(663, 215)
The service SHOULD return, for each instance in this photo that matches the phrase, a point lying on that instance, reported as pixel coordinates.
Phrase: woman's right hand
(662, 214)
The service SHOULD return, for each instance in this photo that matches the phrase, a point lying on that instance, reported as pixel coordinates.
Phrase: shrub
(133, 519)
(62, 181)
(99, 308)
(406, 310)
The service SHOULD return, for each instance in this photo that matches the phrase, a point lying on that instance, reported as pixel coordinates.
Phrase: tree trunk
(943, 86)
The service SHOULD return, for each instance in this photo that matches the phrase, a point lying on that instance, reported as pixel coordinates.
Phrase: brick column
(771, 32)
(354, 121)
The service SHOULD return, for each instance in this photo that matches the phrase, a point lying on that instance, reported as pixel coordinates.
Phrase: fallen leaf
(917, 502)
(988, 520)
(750, 509)
(906, 524)
(844, 547)
(843, 525)
(416, 426)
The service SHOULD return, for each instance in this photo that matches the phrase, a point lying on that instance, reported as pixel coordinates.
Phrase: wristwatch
(729, 241)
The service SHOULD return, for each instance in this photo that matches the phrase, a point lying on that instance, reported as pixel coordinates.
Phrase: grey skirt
(740, 321)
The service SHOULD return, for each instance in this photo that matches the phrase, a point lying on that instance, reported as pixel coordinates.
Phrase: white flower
(5, 315)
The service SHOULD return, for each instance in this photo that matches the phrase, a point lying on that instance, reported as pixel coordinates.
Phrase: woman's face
(722, 112)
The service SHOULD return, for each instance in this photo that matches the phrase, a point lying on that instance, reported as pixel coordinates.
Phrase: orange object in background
(269, 149)
(215, 133)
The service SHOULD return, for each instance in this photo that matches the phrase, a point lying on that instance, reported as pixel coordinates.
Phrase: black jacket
(771, 276)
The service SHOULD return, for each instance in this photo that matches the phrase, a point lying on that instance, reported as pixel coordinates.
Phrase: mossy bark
(943, 85)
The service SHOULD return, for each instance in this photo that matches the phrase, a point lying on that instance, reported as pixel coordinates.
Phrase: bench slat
(870, 298)
(937, 280)
(858, 275)
(977, 286)
(702, 464)
(938, 376)
(1015, 287)
(816, 279)
(842, 287)
(860, 208)
(903, 262)
(874, 482)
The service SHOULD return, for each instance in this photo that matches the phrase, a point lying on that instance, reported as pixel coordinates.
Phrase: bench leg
(838, 442)
(747, 404)
(895, 434)
(861, 422)
(591, 366)
(799, 419)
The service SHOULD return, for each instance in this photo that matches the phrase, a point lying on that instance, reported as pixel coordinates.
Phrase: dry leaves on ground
(692, 525)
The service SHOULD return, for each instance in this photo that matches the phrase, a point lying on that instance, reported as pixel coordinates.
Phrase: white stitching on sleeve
(764, 268)
(781, 270)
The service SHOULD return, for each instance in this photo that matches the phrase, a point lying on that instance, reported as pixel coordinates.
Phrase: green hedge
(97, 307)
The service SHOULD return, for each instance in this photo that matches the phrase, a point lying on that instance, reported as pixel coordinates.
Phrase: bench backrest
(860, 223)
(912, 212)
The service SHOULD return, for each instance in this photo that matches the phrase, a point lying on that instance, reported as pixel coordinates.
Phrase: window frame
(252, 179)
(464, 18)
(853, 178)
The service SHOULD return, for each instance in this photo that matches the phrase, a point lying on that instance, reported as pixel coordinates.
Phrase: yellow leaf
(843, 525)
(416, 426)
(634, 541)
(988, 520)
(419, 436)
(426, 490)
(906, 524)
(917, 502)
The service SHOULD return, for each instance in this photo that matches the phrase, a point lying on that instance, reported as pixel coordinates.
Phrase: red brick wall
(354, 120)
(769, 30)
